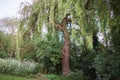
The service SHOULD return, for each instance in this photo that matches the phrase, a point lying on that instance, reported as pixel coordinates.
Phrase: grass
(55, 77)
(10, 77)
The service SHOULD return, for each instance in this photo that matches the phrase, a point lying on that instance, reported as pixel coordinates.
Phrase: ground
(10, 77)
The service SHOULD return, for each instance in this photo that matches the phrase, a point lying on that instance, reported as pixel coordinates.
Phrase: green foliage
(107, 65)
(90, 16)
(10, 77)
(79, 75)
(49, 54)
(54, 77)
(28, 51)
(73, 76)
(83, 60)
(107, 62)
(5, 46)
(86, 59)
(17, 67)
(75, 52)
(115, 38)
(3, 54)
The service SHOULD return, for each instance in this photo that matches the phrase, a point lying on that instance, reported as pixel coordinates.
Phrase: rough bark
(66, 47)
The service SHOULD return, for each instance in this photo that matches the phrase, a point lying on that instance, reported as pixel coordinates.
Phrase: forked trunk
(66, 47)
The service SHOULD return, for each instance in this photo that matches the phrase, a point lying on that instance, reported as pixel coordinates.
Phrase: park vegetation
(62, 39)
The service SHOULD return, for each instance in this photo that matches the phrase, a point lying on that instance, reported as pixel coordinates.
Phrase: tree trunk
(66, 47)
(12, 44)
(66, 53)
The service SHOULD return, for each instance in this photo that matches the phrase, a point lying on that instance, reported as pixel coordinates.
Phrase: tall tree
(52, 11)
(66, 48)
(10, 25)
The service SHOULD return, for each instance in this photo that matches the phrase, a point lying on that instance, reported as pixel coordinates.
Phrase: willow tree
(23, 30)
(51, 12)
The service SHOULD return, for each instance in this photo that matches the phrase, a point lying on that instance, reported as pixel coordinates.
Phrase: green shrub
(3, 54)
(17, 67)
(49, 54)
(107, 65)
(5, 44)
(84, 62)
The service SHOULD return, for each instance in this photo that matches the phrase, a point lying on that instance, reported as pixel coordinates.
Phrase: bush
(49, 54)
(84, 62)
(17, 67)
(3, 54)
(108, 65)
(28, 50)
(5, 45)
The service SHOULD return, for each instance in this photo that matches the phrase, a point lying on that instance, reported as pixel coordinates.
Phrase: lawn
(10, 77)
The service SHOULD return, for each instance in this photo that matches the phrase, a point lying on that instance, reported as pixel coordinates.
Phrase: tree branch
(62, 25)
(58, 26)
